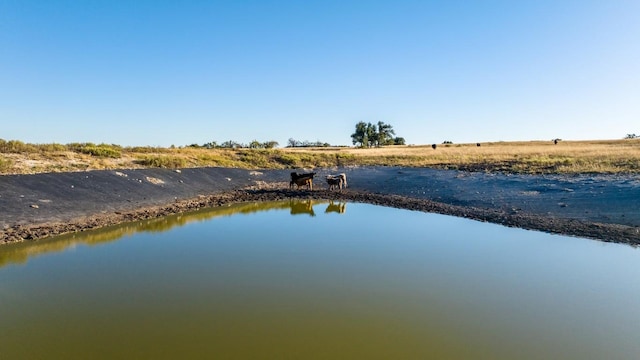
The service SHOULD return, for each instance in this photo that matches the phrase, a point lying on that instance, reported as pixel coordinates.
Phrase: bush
(5, 165)
(102, 150)
(16, 147)
(43, 148)
(170, 162)
(148, 149)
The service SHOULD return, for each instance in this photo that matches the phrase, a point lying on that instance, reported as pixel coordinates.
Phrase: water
(318, 280)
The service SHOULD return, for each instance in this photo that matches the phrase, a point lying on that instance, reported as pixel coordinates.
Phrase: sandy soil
(603, 207)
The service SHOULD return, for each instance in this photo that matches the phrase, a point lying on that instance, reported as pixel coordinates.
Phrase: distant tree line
(631, 136)
(230, 144)
(375, 135)
(295, 143)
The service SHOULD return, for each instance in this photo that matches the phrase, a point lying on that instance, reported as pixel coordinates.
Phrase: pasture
(534, 157)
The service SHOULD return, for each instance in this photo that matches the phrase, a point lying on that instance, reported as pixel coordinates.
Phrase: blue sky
(180, 72)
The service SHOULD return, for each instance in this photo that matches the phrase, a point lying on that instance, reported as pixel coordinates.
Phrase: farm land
(530, 157)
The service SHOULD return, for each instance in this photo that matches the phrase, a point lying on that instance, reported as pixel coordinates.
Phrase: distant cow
(478, 144)
(434, 146)
(305, 179)
(337, 181)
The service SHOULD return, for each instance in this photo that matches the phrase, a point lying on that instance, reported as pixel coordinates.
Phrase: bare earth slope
(604, 207)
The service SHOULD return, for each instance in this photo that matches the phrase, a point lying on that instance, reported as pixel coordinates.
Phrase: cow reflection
(301, 207)
(338, 208)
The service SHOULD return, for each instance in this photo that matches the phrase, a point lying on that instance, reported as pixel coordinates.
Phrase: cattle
(338, 181)
(334, 183)
(305, 179)
(434, 146)
(308, 182)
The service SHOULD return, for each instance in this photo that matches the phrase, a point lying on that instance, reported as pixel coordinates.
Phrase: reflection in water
(339, 208)
(276, 286)
(20, 253)
(302, 207)
(306, 207)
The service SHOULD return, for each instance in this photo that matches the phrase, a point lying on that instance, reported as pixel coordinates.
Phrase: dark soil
(603, 207)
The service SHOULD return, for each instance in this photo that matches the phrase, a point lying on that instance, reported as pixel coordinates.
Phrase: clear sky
(155, 72)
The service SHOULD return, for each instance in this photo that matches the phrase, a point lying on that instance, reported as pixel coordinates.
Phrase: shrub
(51, 147)
(16, 146)
(171, 162)
(148, 149)
(102, 150)
(5, 165)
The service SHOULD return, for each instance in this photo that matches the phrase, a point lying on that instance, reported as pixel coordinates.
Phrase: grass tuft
(5, 165)
(101, 150)
(171, 162)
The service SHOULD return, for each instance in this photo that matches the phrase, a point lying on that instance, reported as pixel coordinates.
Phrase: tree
(369, 135)
(270, 144)
(385, 133)
(255, 144)
(631, 136)
(210, 145)
(360, 135)
(399, 141)
(230, 145)
(372, 135)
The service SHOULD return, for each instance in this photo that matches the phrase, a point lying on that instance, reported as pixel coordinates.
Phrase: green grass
(101, 150)
(171, 162)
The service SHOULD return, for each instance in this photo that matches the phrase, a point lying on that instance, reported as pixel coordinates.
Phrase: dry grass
(614, 156)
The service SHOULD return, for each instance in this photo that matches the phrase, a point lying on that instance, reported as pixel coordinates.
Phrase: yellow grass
(611, 156)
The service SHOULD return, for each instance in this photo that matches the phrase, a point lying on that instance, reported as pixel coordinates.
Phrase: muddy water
(306, 280)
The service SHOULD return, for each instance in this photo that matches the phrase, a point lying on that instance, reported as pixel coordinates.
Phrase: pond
(318, 280)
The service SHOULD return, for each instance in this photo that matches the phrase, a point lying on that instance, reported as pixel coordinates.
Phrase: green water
(318, 280)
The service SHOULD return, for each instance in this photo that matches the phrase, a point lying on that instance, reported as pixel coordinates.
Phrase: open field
(533, 157)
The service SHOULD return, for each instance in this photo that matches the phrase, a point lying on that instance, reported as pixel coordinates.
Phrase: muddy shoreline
(65, 203)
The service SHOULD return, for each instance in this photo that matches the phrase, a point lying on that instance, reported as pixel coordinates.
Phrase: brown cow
(302, 180)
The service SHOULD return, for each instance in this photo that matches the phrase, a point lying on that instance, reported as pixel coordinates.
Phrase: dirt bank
(600, 207)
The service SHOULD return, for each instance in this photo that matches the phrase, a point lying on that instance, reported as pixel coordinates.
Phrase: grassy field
(605, 156)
